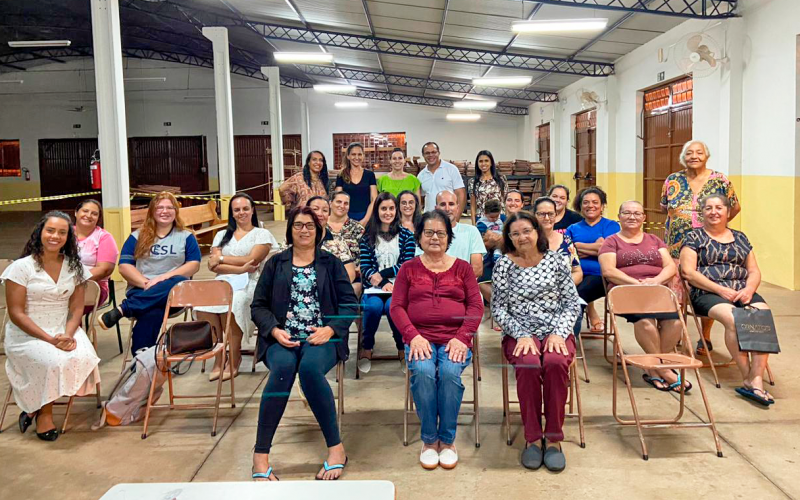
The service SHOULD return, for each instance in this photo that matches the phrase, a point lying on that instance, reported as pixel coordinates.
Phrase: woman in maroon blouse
(437, 333)
(633, 257)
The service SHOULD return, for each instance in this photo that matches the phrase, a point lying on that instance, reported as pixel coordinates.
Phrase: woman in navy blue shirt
(359, 183)
(588, 236)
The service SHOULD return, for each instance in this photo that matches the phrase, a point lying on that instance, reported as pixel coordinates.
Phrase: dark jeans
(374, 306)
(147, 306)
(311, 363)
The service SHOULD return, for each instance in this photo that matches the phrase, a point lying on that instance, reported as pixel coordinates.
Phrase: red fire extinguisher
(94, 171)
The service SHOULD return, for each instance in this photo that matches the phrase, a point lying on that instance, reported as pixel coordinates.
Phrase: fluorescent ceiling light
(303, 57)
(463, 117)
(336, 89)
(472, 104)
(39, 43)
(147, 79)
(12, 81)
(558, 25)
(351, 105)
(503, 81)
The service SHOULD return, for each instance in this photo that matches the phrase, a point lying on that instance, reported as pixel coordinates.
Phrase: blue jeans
(375, 306)
(437, 390)
(147, 306)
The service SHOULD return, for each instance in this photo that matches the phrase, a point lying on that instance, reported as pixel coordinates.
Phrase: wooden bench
(194, 218)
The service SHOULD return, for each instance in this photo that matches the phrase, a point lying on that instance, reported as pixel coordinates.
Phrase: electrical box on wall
(76, 125)
(167, 124)
(264, 122)
(660, 77)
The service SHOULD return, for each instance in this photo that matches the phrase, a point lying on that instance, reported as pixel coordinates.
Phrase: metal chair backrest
(638, 299)
(92, 294)
(201, 293)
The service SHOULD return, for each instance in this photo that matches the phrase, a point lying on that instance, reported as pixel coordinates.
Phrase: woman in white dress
(48, 354)
(237, 256)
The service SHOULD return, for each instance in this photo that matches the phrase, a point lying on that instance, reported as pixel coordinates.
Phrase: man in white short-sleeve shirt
(467, 241)
(439, 175)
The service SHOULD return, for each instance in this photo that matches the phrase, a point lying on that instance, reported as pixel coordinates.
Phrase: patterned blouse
(540, 300)
(304, 311)
(683, 212)
(350, 234)
(484, 191)
(722, 263)
(569, 252)
(296, 193)
(337, 247)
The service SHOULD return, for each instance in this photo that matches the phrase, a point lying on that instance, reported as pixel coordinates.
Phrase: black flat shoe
(50, 435)
(25, 421)
(110, 319)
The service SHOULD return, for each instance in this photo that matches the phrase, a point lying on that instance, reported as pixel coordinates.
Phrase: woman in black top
(564, 216)
(303, 307)
(359, 183)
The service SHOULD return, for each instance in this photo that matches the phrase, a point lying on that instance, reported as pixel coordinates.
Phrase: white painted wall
(38, 109)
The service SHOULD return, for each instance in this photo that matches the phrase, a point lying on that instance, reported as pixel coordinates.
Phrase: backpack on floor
(128, 399)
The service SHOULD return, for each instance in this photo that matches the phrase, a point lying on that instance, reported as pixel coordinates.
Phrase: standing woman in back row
(359, 183)
(302, 186)
(397, 180)
(680, 200)
(486, 185)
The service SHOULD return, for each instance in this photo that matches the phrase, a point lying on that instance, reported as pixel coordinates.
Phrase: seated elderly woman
(633, 257)
(437, 306)
(303, 307)
(48, 354)
(536, 305)
(385, 246)
(721, 268)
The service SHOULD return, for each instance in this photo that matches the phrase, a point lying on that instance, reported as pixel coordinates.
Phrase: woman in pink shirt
(633, 257)
(97, 248)
(437, 332)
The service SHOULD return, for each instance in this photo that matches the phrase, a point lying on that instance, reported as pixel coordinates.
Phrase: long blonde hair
(346, 160)
(147, 233)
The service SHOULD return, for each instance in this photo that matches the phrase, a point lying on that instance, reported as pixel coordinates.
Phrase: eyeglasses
(165, 209)
(428, 233)
(407, 203)
(525, 232)
(298, 226)
(546, 215)
(627, 214)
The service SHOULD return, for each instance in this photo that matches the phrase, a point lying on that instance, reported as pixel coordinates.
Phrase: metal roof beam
(372, 32)
(431, 84)
(430, 101)
(688, 9)
(379, 45)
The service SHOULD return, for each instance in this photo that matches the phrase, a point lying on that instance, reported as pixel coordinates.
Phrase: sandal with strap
(263, 475)
(752, 395)
(676, 386)
(329, 468)
(652, 381)
(700, 350)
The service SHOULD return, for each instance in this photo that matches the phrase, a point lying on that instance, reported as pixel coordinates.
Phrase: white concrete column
(305, 130)
(224, 108)
(276, 135)
(112, 132)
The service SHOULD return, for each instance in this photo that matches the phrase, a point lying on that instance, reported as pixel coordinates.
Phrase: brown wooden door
(252, 165)
(543, 146)
(585, 149)
(64, 169)
(169, 161)
(667, 127)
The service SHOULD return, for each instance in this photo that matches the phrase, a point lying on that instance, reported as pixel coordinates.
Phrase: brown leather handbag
(189, 337)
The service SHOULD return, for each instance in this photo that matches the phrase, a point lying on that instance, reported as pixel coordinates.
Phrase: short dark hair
(428, 143)
(303, 211)
(589, 190)
(315, 198)
(436, 214)
(542, 199)
(508, 245)
(492, 206)
(395, 150)
(558, 186)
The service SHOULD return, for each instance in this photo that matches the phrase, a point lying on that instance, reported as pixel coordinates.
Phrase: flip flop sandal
(330, 468)
(596, 328)
(753, 396)
(652, 381)
(676, 386)
(263, 475)
(700, 350)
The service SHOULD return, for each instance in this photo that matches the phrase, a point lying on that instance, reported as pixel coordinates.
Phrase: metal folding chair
(189, 294)
(360, 331)
(339, 394)
(475, 402)
(128, 356)
(573, 401)
(638, 299)
(91, 297)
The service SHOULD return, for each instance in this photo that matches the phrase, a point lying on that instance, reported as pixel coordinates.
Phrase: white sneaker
(448, 458)
(429, 458)
(364, 365)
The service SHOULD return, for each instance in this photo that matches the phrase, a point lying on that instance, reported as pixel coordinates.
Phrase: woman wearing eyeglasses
(303, 306)
(633, 257)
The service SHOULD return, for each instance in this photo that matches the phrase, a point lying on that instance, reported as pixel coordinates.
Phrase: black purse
(190, 337)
